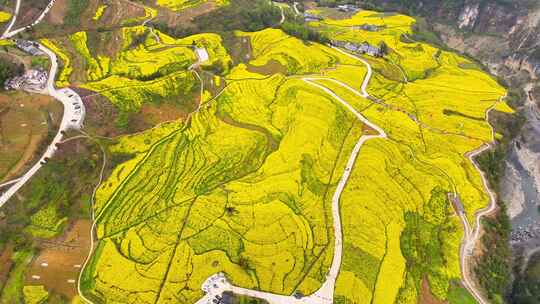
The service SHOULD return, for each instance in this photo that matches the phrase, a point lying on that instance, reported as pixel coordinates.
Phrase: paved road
(13, 181)
(9, 33)
(72, 119)
(472, 234)
(295, 6)
(279, 5)
(215, 285)
(13, 19)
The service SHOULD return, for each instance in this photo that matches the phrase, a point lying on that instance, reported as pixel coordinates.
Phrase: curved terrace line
(217, 284)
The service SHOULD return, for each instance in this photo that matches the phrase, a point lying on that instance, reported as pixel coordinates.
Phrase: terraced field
(134, 65)
(244, 185)
(234, 174)
(400, 229)
(179, 5)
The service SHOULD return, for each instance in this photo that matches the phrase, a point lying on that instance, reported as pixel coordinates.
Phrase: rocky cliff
(505, 36)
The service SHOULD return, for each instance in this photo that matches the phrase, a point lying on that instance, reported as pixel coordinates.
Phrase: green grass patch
(459, 295)
(74, 12)
(13, 289)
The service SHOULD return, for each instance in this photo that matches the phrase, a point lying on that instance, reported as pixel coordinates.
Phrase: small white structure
(311, 17)
(202, 55)
(348, 8)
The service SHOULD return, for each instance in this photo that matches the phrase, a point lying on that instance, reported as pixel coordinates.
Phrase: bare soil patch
(155, 114)
(367, 130)
(118, 11)
(5, 263)
(58, 263)
(24, 125)
(426, 297)
(30, 10)
(100, 114)
(58, 12)
(186, 16)
(270, 68)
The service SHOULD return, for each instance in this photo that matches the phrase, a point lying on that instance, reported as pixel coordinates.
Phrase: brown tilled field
(426, 297)
(58, 264)
(5, 263)
(24, 124)
(30, 11)
(186, 16)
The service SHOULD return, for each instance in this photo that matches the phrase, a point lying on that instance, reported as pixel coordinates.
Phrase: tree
(383, 47)
(230, 211)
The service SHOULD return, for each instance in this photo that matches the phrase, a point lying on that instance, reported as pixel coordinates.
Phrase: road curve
(217, 284)
(9, 33)
(281, 11)
(72, 118)
(472, 234)
(13, 19)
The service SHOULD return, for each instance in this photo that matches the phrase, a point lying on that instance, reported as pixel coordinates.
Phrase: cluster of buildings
(311, 17)
(362, 48)
(348, 8)
(31, 80)
(29, 47)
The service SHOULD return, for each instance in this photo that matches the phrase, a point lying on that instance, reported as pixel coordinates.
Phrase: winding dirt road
(472, 234)
(217, 284)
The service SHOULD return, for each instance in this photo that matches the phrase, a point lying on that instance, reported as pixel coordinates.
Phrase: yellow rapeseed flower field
(4, 16)
(244, 186)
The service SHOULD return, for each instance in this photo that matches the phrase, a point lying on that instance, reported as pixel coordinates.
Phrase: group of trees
(9, 69)
(303, 31)
(334, 3)
(243, 15)
(526, 287)
(493, 269)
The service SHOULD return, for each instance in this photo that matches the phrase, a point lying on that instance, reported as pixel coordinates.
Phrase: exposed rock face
(521, 185)
(505, 36)
(507, 39)
(468, 16)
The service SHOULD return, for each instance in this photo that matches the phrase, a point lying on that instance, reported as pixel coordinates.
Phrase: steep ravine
(504, 35)
(507, 40)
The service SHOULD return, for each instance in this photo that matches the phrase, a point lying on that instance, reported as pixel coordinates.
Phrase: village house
(362, 48)
(28, 47)
(348, 8)
(31, 80)
(310, 17)
(368, 27)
